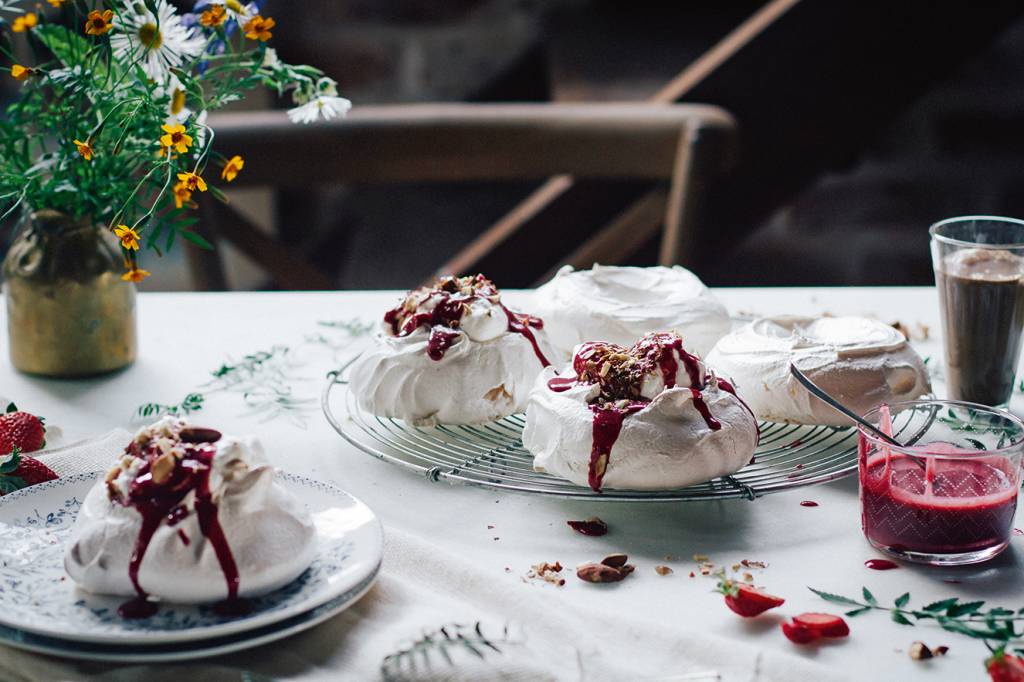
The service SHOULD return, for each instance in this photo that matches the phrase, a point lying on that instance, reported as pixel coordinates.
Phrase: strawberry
(825, 624)
(1003, 668)
(799, 634)
(19, 471)
(21, 430)
(747, 600)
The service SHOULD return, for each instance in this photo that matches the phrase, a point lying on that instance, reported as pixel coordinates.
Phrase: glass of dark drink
(949, 495)
(979, 272)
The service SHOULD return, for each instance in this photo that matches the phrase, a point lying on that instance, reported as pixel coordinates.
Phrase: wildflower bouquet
(110, 125)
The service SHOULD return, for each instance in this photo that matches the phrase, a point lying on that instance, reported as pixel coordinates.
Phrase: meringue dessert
(451, 353)
(621, 304)
(649, 417)
(189, 516)
(861, 362)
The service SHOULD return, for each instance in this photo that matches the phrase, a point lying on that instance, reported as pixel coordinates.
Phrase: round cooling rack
(492, 455)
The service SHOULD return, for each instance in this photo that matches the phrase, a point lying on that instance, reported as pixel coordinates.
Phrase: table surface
(460, 554)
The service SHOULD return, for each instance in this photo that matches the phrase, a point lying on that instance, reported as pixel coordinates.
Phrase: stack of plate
(41, 609)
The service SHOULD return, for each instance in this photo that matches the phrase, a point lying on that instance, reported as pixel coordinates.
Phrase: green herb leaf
(868, 597)
(835, 598)
(196, 239)
(857, 612)
(902, 600)
(963, 609)
(941, 605)
(898, 617)
(11, 407)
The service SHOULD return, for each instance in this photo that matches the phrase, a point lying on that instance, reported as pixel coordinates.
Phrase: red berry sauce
(451, 298)
(162, 503)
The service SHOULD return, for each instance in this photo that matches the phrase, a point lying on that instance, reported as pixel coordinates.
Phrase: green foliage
(997, 626)
(104, 90)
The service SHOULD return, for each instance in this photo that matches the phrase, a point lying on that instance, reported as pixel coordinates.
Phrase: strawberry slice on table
(1004, 668)
(21, 430)
(800, 634)
(747, 600)
(19, 471)
(825, 624)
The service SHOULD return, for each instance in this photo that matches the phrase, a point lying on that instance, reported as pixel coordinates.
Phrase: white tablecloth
(459, 554)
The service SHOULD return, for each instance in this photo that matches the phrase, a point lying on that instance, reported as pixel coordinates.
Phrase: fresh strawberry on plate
(19, 471)
(21, 430)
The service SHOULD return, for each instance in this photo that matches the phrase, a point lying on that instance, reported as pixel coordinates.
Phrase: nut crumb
(735, 568)
(748, 578)
(699, 558)
(920, 652)
(668, 557)
(548, 572)
(748, 563)
(663, 570)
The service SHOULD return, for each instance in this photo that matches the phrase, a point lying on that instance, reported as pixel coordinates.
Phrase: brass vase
(69, 313)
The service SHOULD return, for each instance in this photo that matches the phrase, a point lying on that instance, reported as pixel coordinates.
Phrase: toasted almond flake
(747, 578)
(735, 568)
(700, 557)
(920, 652)
(663, 570)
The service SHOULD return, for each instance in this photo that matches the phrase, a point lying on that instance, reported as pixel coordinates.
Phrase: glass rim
(914, 450)
(933, 231)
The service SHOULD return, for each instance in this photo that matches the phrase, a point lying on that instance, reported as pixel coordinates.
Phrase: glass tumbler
(979, 273)
(949, 494)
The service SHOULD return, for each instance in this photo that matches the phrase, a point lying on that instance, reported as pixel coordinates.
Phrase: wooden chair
(683, 146)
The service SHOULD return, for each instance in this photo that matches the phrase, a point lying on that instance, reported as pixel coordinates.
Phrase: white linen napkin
(92, 454)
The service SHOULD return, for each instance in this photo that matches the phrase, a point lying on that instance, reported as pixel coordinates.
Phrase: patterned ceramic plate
(36, 596)
(155, 653)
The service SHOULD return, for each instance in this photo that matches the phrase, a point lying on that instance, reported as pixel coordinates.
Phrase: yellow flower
(232, 168)
(85, 149)
(213, 17)
(176, 137)
(19, 72)
(182, 195)
(192, 181)
(258, 28)
(128, 236)
(177, 101)
(97, 23)
(57, 3)
(135, 274)
(24, 22)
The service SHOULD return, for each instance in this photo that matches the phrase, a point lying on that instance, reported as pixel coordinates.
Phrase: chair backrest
(682, 144)
(446, 142)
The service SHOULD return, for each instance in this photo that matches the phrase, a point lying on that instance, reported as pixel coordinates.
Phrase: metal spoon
(839, 407)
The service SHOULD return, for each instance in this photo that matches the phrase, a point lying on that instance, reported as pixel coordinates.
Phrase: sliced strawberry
(21, 430)
(19, 471)
(1004, 668)
(747, 600)
(800, 634)
(826, 624)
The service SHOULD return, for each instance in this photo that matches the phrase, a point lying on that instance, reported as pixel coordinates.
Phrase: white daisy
(327, 106)
(159, 43)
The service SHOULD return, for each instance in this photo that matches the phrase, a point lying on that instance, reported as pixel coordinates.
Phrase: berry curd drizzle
(158, 499)
(620, 374)
(440, 309)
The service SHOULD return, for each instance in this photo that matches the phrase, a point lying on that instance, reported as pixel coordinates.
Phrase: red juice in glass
(949, 495)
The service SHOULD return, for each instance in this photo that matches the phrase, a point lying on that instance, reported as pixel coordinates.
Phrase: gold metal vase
(69, 313)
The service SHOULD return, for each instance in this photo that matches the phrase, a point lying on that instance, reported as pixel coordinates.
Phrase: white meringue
(861, 362)
(621, 304)
(484, 374)
(270, 534)
(667, 444)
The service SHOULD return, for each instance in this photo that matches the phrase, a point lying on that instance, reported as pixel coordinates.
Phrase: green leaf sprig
(996, 626)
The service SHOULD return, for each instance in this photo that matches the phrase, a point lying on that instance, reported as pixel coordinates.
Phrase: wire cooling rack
(492, 455)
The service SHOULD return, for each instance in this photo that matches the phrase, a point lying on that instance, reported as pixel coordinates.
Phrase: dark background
(956, 147)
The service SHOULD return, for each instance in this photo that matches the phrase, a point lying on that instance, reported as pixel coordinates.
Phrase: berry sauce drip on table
(620, 374)
(450, 298)
(162, 502)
